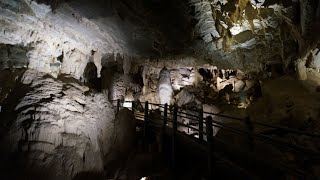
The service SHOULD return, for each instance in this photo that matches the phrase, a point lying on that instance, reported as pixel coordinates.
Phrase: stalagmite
(164, 86)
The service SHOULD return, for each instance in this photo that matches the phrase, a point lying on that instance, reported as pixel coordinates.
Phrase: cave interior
(75, 76)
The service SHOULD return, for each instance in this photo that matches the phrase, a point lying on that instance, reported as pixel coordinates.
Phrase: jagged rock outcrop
(61, 128)
(240, 34)
(237, 84)
(188, 97)
(182, 77)
(205, 27)
(61, 41)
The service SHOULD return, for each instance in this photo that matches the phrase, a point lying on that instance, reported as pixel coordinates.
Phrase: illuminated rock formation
(164, 86)
(63, 129)
(63, 61)
(60, 35)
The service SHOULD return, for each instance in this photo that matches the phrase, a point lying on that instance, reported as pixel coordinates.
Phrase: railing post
(165, 115)
(250, 134)
(209, 132)
(200, 118)
(165, 121)
(174, 130)
(146, 118)
(132, 106)
(118, 105)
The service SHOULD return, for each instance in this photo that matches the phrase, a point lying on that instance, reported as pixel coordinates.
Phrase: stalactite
(97, 56)
(240, 7)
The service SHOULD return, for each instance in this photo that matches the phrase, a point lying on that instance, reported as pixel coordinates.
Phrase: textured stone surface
(184, 98)
(181, 77)
(64, 37)
(62, 127)
(118, 87)
(63, 33)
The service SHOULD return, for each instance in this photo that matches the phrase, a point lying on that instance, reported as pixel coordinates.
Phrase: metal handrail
(192, 115)
(243, 120)
(269, 125)
(260, 136)
(193, 128)
(214, 123)
(188, 118)
(265, 138)
(241, 131)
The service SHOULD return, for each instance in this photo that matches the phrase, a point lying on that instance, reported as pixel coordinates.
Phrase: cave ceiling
(62, 36)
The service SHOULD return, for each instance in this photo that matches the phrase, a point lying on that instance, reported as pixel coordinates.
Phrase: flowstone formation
(61, 128)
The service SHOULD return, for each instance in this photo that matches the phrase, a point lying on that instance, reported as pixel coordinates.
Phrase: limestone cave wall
(64, 62)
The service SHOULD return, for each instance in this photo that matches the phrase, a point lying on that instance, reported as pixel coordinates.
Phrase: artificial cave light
(127, 104)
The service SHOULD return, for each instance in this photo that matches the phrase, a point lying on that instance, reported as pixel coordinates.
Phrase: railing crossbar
(188, 126)
(240, 119)
(264, 137)
(210, 123)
